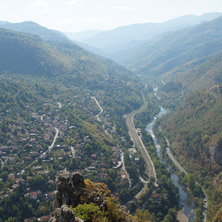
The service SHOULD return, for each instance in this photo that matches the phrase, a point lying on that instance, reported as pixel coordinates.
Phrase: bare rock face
(72, 190)
(77, 179)
(69, 187)
(63, 214)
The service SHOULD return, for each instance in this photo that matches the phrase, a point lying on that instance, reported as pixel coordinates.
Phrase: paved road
(54, 140)
(124, 169)
(175, 162)
(150, 169)
(2, 163)
(41, 156)
(60, 105)
(42, 117)
(73, 152)
(101, 109)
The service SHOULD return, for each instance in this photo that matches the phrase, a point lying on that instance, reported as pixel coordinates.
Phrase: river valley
(186, 202)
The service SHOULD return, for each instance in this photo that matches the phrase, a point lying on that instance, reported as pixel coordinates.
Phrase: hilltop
(27, 54)
(35, 29)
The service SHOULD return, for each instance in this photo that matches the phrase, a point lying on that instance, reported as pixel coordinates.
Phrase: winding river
(185, 202)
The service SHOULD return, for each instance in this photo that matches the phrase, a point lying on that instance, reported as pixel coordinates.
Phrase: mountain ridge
(178, 49)
(114, 40)
(29, 54)
(35, 29)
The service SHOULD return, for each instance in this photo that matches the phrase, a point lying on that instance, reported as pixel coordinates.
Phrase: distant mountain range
(173, 53)
(82, 36)
(127, 36)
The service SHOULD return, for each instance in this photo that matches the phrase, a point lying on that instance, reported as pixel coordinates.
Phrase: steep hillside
(178, 85)
(27, 54)
(23, 53)
(173, 53)
(35, 29)
(195, 135)
(201, 76)
(126, 36)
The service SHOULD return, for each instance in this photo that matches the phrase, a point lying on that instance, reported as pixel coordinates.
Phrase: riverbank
(181, 217)
(187, 213)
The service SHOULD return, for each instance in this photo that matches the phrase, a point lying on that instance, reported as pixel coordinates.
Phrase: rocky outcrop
(73, 190)
(69, 188)
(63, 214)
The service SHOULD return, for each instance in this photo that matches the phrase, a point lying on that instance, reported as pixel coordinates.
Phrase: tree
(144, 216)
(168, 218)
(218, 217)
(4, 176)
(87, 212)
(43, 210)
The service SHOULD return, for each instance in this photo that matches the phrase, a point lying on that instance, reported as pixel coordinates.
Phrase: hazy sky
(78, 15)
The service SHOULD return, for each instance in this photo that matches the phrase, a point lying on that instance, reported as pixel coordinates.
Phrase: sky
(79, 15)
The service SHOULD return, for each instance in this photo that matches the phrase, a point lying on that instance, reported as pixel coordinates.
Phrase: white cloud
(74, 2)
(41, 3)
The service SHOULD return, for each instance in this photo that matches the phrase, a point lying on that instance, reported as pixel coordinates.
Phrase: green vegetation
(163, 200)
(51, 88)
(166, 191)
(172, 53)
(90, 209)
(47, 88)
(87, 212)
(196, 143)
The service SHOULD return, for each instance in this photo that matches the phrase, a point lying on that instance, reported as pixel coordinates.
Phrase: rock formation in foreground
(72, 192)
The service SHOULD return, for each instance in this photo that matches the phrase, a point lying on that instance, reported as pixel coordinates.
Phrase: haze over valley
(111, 122)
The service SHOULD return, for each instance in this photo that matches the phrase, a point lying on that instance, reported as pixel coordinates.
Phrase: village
(33, 160)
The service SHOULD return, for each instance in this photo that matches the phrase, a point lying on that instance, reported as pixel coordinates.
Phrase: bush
(87, 212)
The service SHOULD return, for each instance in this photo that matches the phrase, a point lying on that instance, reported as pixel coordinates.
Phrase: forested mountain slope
(195, 135)
(201, 76)
(171, 54)
(24, 53)
(48, 94)
(27, 54)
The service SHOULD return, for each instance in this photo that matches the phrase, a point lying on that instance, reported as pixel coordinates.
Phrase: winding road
(122, 162)
(101, 109)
